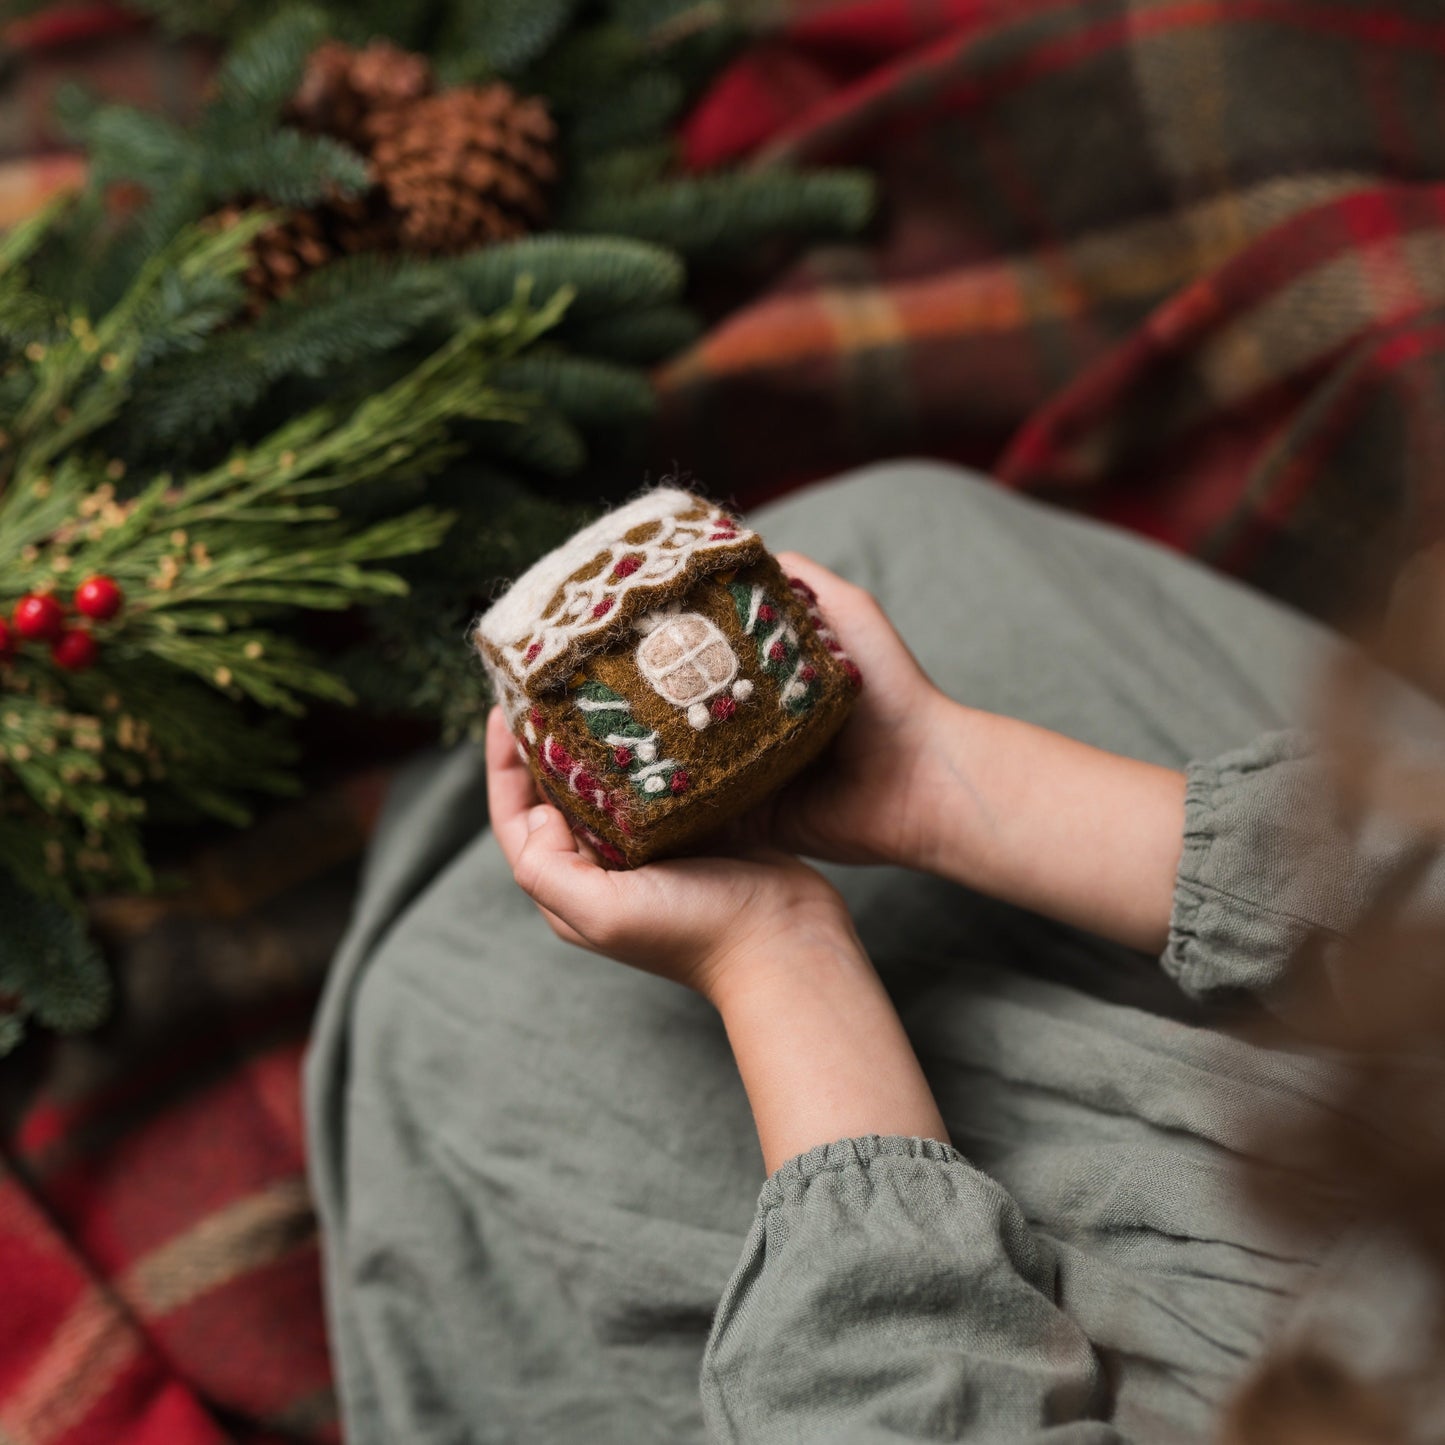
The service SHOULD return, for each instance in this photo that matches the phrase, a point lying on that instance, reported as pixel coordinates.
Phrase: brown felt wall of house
(732, 764)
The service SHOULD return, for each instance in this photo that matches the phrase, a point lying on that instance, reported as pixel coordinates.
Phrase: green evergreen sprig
(170, 719)
(230, 475)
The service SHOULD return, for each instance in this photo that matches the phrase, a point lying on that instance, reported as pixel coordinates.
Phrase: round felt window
(686, 659)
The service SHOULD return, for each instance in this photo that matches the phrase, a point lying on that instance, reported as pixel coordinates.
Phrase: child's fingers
(817, 576)
(511, 795)
(551, 869)
(510, 789)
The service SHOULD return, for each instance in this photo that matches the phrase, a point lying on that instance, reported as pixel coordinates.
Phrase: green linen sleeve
(1267, 862)
(889, 1291)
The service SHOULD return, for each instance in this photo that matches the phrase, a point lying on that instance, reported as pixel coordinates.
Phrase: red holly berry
(74, 649)
(808, 673)
(679, 781)
(8, 643)
(777, 652)
(622, 757)
(99, 597)
(625, 567)
(766, 613)
(723, 708)
(39, 617)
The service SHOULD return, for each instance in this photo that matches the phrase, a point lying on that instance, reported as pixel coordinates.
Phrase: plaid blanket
(1177, 263)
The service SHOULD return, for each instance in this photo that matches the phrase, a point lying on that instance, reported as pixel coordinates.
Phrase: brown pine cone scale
(465, 167)
(343, 88)
(281, 255)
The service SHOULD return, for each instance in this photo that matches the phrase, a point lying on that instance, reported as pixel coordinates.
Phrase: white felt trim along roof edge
(514, 615)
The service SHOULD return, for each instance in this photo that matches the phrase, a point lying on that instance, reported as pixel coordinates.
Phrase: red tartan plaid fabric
(1176, 263)
(158, 1248)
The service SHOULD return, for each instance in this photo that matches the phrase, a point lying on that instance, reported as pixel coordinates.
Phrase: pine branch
(504, 36)
(205, 565)
(607, 274)
(588, 392)
(260, 75)
(627, 114)
(337, 318)
(639, 337)
(76, 385)
(712, 216)
(285, 167)
(621, 171)
(48, 967)
(545, 442)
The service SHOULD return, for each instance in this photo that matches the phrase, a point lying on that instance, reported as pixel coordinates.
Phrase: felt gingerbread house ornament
(661, 675)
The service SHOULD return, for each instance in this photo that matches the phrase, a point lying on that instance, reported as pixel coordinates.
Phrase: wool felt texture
(656, 687)
(544, 1209)
(591, 589)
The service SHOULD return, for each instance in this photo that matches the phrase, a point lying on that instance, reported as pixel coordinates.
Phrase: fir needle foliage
(212, 564)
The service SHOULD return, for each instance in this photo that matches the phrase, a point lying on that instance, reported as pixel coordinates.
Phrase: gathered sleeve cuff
(1267, 862)
(890, 1291)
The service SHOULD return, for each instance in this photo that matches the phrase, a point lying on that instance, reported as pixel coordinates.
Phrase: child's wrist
(751, 967)
(821, 1052)
(923, 829)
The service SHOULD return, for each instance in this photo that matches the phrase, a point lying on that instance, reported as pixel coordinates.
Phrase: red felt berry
(808, 674)
(39, 617)
(679, 781)
(777, 652)
(99, 597)
(723, 708)
(603, 607)
(622, 757)
(532, 652)
(626, 567)
(8, 640)
(74, 650)
(766, 613)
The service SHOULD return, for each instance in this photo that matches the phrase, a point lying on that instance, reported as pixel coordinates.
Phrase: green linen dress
(544, 1209)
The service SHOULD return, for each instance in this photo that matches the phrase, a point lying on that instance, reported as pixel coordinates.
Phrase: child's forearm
(1037, 819)
(822, 1052)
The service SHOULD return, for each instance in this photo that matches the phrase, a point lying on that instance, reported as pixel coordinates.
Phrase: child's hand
(868, 799)
(701, 922)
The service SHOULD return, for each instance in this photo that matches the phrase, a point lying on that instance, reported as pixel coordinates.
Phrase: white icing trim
(513, 625)
(754, 602)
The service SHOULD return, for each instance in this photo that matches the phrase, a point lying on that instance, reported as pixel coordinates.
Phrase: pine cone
(280, 255)
(361, 223)
(342, 87)
(464, 167)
